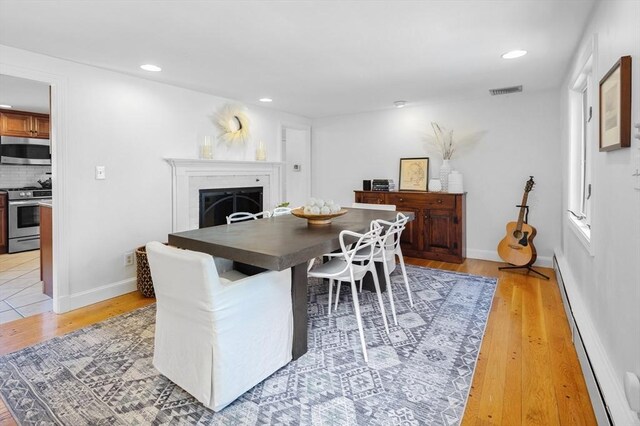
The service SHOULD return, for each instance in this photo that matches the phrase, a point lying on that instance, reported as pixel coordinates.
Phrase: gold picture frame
(414, 174)
(615, 106)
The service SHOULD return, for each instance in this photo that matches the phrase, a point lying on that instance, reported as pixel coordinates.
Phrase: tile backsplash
(18, 176)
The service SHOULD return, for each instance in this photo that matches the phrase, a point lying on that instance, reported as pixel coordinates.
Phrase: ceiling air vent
(505, 90)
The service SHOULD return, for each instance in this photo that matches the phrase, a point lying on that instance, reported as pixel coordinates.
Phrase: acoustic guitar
(517, 246)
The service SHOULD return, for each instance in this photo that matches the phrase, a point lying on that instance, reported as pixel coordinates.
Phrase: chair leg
(330, 293)
(376, 283)
(337, 295)
(404, 274)
(390, 290)
(356, 307)
(360, 291)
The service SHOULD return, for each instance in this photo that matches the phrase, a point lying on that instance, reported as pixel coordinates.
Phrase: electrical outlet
(128, 258)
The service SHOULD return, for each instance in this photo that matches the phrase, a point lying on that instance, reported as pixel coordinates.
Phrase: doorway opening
(296, 154)
(26, 269)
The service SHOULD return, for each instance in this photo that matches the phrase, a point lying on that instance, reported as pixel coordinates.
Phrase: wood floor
(527, 372)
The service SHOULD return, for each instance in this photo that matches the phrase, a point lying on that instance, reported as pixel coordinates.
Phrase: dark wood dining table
(279, 243)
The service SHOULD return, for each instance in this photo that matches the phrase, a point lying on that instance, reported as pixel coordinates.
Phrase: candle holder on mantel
(206, 149)
(261, 152)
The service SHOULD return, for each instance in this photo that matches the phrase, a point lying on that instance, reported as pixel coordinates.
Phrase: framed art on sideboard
(414, 174)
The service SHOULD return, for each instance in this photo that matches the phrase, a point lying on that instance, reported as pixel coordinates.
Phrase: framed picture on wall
(615, 106)
(414, 174)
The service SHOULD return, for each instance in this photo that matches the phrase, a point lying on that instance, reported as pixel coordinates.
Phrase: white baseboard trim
(544, 261)
(611, 385)
(95, 295)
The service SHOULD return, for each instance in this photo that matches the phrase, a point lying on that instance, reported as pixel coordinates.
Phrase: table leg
(367, 283)
(299, 285)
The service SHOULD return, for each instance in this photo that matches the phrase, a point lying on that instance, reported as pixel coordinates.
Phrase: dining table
(279, 243)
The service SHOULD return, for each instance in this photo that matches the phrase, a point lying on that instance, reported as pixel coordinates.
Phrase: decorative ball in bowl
(319, 212)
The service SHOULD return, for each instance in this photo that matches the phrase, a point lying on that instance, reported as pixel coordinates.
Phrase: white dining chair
(218, 333)
(388, 207)
(281, 211)
(386, 250)
(242, 216)
(343, 267)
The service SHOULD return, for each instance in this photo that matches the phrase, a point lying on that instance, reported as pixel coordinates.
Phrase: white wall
(129, 125)
(606, 286)
(516, 136)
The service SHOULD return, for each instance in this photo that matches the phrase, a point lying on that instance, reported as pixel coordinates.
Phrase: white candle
(261, 152)
(206, 149)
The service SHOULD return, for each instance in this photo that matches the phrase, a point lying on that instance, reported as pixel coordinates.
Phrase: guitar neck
(522, 210)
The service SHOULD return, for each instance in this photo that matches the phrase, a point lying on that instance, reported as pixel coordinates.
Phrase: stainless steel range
(24, 217)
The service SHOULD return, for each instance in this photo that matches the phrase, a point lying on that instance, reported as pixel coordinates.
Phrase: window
(582, 128)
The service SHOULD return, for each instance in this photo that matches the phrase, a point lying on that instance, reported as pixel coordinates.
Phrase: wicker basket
(145, 283)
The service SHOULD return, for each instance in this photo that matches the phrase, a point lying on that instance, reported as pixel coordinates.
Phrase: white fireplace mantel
(188, 176)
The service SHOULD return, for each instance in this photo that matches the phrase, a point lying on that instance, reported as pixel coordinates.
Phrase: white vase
(445, 169)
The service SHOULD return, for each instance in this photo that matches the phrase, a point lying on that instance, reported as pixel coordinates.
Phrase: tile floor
(20, 286)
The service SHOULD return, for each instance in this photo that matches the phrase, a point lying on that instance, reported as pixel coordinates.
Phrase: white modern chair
(388, 207)
(387, 249)
(342, 267)
(281, 211)
(242, 216)
(218, 333)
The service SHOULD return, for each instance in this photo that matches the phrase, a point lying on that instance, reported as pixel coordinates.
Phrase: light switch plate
(101, 172)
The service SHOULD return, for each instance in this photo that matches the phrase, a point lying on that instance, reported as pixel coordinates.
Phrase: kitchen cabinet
(4, 243)
(24, 124)
(46, 248)
(438, 231)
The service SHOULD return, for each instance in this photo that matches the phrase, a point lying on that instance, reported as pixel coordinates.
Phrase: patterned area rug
(419, 374)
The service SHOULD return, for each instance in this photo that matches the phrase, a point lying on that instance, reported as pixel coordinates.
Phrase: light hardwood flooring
(527, 372)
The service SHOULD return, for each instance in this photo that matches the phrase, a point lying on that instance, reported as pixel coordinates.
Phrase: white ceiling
(314, 58)
(24, 95)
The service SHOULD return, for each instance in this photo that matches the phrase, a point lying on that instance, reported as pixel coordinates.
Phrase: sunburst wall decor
(233, 123)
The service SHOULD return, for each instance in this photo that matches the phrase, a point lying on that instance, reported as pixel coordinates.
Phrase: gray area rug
(420, 374)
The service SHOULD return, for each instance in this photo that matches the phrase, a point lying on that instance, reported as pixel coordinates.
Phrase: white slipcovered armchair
(218, 333)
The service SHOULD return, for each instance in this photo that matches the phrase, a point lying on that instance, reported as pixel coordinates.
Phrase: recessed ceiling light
(6, 106)
(266, 100)
(151, 67)
(514, 54)
(400, 104)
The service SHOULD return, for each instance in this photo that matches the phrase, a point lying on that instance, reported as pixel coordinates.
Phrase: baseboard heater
(600, 408)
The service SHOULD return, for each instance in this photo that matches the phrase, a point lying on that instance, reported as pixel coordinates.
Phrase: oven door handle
(24, 203)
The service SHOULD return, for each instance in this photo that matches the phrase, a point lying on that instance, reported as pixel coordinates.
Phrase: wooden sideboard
(438, 232)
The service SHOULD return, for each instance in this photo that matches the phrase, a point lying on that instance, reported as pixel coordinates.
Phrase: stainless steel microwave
(15, 150)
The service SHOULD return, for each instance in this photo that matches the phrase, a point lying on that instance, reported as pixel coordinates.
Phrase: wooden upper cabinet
(24, 124)
(40, 125)
(12, 124)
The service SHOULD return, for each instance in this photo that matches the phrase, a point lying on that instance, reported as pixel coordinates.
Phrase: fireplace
(190, 176)
(218, 203)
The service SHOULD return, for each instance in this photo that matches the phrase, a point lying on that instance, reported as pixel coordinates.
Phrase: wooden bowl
(317, 219)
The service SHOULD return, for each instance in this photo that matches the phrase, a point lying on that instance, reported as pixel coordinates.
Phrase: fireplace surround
(190, 176)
